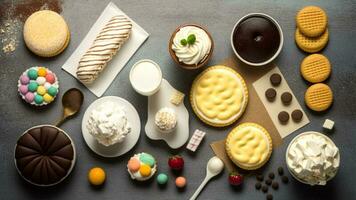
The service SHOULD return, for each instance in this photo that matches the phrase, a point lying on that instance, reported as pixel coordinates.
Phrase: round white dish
(161, 99)
(131, 138)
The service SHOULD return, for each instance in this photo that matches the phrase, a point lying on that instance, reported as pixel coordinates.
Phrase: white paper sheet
(273, 108)
(137, 38)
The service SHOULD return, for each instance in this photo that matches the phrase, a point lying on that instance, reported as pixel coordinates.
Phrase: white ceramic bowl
(134, 84)
(280, 34)
(297, 137)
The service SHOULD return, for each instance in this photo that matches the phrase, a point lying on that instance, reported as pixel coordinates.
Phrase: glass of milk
(146, 77)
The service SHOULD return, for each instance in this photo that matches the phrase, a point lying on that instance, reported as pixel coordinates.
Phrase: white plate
(119, 148)
(159, 100)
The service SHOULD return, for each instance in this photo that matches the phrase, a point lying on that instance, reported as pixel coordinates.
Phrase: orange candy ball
(96, 176)
(181, 182)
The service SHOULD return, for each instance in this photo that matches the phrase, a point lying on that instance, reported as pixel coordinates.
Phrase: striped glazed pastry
(106, 44)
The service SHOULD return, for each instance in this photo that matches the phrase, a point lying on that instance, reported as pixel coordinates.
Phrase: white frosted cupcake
(166, 120)
(142, 166)
(191, 46)
(108, 124)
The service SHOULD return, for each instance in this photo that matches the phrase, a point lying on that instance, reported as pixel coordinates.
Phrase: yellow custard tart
(219, 96)
(249, 146)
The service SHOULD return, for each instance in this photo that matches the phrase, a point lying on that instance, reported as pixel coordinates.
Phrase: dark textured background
(160, 18)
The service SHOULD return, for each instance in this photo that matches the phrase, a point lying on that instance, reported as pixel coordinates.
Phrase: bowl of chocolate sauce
(257, 39)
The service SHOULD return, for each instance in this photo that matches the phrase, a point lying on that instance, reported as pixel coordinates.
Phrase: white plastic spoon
(213, 168)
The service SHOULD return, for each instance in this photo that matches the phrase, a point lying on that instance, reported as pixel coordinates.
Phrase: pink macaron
(29, 97)
(23, 89)
(24, 80)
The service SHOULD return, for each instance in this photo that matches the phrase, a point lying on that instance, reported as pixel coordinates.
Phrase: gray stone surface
(160, 18)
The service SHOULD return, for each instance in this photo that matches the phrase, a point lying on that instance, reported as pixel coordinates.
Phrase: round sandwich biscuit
(309, 44)
(319, 97)
(46, 33)
(315, 68)
(311, 21)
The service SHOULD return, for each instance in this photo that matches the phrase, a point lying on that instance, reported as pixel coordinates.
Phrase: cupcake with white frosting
(166, 120)
(191, 46)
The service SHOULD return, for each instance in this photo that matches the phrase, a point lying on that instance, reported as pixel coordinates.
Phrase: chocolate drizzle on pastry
(44, 155)
(106, 44)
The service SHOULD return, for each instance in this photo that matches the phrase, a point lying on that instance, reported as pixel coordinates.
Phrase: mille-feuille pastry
(106, 44)
(315, 68)
(249, 146)
(219, 96)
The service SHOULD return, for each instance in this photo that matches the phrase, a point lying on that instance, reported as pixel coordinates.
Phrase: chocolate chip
(275, 185)
(258, 186)
(270, 94)
(297, 115)
(269, 197)
(280, 171)
(260, 177)
(286, 98)
(285, 179)
(271, 175)
(268, 181)
(275, 79)
(264, 188)
(283, 117)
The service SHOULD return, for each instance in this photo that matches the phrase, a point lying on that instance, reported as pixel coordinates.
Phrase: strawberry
(176, 162)
(235, 179)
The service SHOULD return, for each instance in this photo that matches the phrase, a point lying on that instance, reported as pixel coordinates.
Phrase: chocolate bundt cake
(44, 155)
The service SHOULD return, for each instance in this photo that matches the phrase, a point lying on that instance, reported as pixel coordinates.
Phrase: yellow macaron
(46, 33)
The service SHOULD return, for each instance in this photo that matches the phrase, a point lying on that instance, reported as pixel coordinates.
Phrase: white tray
(159, 100)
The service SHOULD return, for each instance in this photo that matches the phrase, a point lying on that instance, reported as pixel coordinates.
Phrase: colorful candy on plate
(38, 86)
(142, 166)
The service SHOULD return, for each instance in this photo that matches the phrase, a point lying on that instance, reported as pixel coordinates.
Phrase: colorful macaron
(142, 166)
(38, 86)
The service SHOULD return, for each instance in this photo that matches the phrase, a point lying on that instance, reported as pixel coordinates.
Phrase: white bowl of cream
(146, 77)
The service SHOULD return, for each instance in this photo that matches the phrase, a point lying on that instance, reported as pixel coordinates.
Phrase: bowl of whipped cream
(313, 158)
(191, 46)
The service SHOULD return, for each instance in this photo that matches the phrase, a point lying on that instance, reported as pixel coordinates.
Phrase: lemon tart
(249, 146)
(219, 96)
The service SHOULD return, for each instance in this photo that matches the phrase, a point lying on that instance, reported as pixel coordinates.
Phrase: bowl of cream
(146, 77)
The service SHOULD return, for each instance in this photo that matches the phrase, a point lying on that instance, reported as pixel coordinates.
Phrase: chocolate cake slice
(44, 155)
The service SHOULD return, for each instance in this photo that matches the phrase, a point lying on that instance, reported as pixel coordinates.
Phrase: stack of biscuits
(312, 33)
(311, 36)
